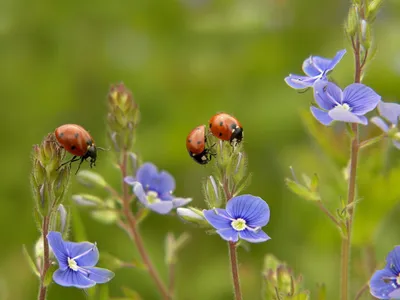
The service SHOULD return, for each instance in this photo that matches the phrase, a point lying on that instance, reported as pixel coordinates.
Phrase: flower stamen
(239, 224)
(84, 253)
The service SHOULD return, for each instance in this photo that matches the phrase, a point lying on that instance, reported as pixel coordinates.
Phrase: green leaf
(49, 275)
(30, 261)
(301, 190)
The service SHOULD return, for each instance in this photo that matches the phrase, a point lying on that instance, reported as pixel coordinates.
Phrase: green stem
(46, 258)
(235, 270)
(133, 231)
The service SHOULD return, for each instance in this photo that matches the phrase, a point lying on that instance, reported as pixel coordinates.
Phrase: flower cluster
(333, 104)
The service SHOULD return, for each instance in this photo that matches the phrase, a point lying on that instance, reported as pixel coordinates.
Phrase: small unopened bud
(133, 161)
(91, 179)
(212, 193)
(352, 21)
(39, 248)
(192, 215)
(365, 34)
(87, 200)
(61, 183)
(62, 217)
(373, 9)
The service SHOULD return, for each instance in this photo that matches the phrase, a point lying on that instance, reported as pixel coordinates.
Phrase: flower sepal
(173, 245)
(49, 274)
(307, 191)
(30, 261)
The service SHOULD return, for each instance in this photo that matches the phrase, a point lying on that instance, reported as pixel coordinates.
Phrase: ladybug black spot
(220, 134)
(198, 142)
(233, 126)
(210, 125)
(221, 123)
(89, 142)
(61, 134)
(189, 140)
(76, 135)
(73, 147)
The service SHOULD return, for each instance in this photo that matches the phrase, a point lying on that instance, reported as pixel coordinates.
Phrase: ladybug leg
(79, 166)
(75, 158)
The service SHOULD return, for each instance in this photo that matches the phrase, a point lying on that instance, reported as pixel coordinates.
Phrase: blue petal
(310, 69)
(393, 260)
(360, 98)
(379, 287)
(218, 218)
(72, 278)
(229, 234)
(146, 173)
(99, 275)
(130, 180)
(300, 82)
(161, 207)
(322, 116)
(253, 210)
(254, 237)
(390, 111)
(91, 257)
(380, 123)
(339, 113)
(162, 182)
(395, 294)
(140, 194)
(338, 57)
(57, 244)
(327, 95)
(178, 202)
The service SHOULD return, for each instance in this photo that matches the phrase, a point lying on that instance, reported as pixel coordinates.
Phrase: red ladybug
(226, 128)
(77, 141)
(196, 145)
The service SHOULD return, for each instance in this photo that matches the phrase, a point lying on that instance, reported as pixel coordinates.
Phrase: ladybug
(196, 145)
(226, 128)
(77, 141)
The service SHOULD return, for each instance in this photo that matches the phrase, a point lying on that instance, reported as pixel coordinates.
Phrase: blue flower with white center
(155, 189)
(76, 263)
(349, 105)
(243, 218)
(385, 283)
(391, 113)
(316, 68)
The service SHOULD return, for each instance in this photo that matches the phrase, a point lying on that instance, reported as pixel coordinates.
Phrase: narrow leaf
(30, 261)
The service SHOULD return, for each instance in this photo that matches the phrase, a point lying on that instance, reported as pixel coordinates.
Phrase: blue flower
(391, 113)
(348, 106)
(154, 189)
(243, 217)
(385, 283)
(76, 263)
(316, 68)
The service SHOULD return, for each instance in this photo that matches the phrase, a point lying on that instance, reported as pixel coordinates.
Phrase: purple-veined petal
(130, 180)
(163, 183)
(161, 207)
(380, 123)
(99, 275)
(380, 286)
(254, 236)
(300, 82)
(253, 210)
(69, 277)
(338, 57)
(327, 95)
(140, 194)
(57, 245)
(360, 98)
(146, 173)
(218, 218)
(310, 69)
(178, 202)
(390, 111)
(393, 260)
(395, 294)
(229, 234)
(322, 116)
(89, 252)
(339, 113)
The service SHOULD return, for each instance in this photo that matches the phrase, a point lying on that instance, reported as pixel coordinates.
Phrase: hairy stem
(235, 270)
(355, 147)
(135, 235)
(46, 258)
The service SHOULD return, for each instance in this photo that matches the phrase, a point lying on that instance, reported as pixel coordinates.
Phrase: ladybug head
(92, 153)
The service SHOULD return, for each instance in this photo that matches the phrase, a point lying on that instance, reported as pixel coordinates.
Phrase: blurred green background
(185, 60)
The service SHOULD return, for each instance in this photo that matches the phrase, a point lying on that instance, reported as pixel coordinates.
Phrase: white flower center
(152, 196)
(239, 224)
(344, 106)
(72, 264)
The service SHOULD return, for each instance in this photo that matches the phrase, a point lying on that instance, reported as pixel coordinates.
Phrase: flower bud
(192, 215)
(91, 179)
(87, 200)
(352, 21)
(366, 38)
(212, 193)
(373, 9)
(62, 219)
